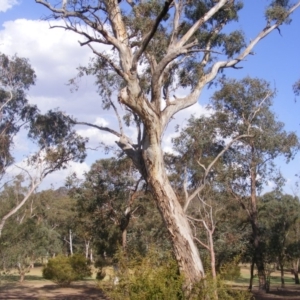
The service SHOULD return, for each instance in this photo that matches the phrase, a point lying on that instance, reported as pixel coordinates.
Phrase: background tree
(27, 237)
(278, 214)
(239, 104)
(16, 77)
(54, 150)
(178, 43)
(113, 210)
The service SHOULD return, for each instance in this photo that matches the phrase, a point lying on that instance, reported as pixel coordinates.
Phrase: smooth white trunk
(185, 249)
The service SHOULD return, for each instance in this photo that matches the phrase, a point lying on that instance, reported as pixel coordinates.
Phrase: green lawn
(275, 277)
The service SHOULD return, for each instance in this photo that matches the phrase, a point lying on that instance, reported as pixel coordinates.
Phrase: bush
(80, 266)
(151, 277)
(63, 270)
(156, 277)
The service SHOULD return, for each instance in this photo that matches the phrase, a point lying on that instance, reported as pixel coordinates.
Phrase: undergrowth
(156, 277)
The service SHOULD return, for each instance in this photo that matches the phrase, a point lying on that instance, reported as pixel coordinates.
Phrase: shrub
(156, 277)
(63, 270)
(80, 266)
(151, 277)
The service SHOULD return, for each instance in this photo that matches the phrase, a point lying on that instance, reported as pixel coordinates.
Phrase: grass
(35, 274)
(275, 277)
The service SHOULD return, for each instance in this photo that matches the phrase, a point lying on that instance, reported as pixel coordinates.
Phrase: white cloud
(7, 4)
(101, 122)
(97, 136)
(54, 54)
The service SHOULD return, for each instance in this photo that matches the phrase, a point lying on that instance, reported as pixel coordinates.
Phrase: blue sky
(55, 54)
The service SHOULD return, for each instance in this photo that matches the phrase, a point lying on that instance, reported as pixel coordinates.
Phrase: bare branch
(210, 166)
(178, 11)
(147, 38)
(118, 117)
(65, 14)
(103, 128)
(111, 63)
(202, 244)
(201, 21)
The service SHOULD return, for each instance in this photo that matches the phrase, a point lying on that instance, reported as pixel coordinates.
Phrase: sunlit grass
(275, 277)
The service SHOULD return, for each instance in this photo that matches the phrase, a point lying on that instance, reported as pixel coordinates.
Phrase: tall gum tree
(239, 104)
(157, 47)
(54, 149)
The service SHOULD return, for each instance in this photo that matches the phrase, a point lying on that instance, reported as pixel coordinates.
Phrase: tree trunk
(21, 272)
(296, 276)
(124, 238)
(87, 246)
(91, 255)
(261, 273)
(282, 274)
(71, 242)
(258, 253)
(262, 282)
(251, 274)
(212, 256)
(22, 276)
(296, 271)
(258, 256)
(185, 249)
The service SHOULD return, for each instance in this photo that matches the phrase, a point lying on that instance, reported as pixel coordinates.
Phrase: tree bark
(185, 250)
(124, 238)
(91, 255)
(71, 242)
(281, 274)
(296, 271)
(212, 256)
(251, 274)
(258, 254)
(87, 247)
(259, 261)
(22, 276)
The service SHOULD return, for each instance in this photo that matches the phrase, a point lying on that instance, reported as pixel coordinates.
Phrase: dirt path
(47, 290)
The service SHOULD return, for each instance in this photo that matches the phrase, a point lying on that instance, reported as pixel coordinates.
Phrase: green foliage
(296, 88)
(231, 270)
(63, 270)
(80, 266)
(278, 11)
(101, 204)
(16, 77)
(154, 276)
(59, 270)
(208, 288)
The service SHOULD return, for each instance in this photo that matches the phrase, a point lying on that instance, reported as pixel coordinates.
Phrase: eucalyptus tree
(152, 49)
(240, 104)
(113, 208)
(55, 141)
(27, 237)
(279, 215)
(16, 77)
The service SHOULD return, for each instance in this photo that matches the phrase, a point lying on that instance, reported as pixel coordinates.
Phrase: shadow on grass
(76, 291)
(16, 278)
(274, 280)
